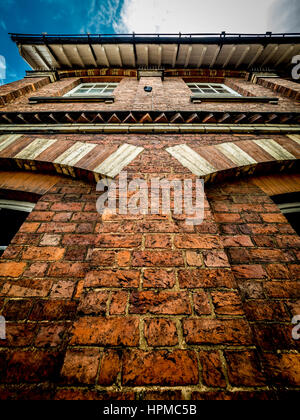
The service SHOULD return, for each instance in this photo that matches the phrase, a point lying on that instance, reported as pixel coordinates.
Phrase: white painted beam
(274, 149)
(228, 58)
(114, 164)
(201, 58)
(191, 160)
(188, 55)
(257, 55)
(243, 55)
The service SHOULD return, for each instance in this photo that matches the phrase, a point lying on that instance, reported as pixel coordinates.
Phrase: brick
(62, 217)
(113, 278)
(288, 241)
(233, 396)
(76, 253)
(123, 258)
(51, 310)
(36, 270)
(215, 258)
(194, 258)
(211, 331)
(158, 279)
(237, 241)
(29, 227)
(28, 288)
(118, 303)
(244, 369)
(274, 337)
(283, 289)
(62, 289)
(67, 269)
(212, 372)
(163, 395)
(56, 227)
(103, 331)
(33, 366)
(267, 255)
(164, 302)
(66, 206)
(12, 269)
(19, 335)
(227, 303)
(277, 271)
(16, 309)
(265, 241)
(201, 303)
(84, 394)
(159, 367)
(197, 241)
(93, 303)
(158, 241)
(198, 278)
(227, 217)
(295, 271)
(80, 239)
(80, 366)
(156, 258)
(85, 228)
(283, 369)
(273, 218)
(259, 310)
(249, 271)
(42, 216)
(50, 336)
(251, 289)
(100, 257)
(43, 254)
(50, 240)
(160, 332)
(110, 366)
(118, 241)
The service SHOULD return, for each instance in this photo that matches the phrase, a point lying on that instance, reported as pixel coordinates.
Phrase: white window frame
(213, 87)
(92, 86)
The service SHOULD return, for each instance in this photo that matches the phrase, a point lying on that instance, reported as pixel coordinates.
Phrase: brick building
(146, 306)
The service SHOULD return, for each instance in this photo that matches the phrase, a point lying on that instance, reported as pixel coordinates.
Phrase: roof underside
(232, 51)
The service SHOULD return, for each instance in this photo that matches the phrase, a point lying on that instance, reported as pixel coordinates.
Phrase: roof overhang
(217, 51)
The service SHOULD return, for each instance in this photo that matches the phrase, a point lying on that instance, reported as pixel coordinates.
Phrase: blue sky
(120, 16)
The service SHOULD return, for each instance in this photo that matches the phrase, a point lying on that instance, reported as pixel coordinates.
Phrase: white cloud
(3, 25)
(195, 16)
(2, 67)
(100, 14)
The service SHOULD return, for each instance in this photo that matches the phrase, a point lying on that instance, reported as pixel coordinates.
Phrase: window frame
(212, 86)
(90, 88)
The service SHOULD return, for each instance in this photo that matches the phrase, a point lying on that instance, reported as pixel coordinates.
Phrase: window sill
(66, 99)
(233, 98)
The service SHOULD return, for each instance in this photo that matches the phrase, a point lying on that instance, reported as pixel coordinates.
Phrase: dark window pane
(10, 223)
(290, 207)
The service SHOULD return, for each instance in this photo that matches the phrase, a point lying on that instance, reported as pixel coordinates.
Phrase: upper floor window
(208, 89)
(93, 89)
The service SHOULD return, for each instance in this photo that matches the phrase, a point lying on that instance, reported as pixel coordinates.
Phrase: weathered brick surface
(146, 306)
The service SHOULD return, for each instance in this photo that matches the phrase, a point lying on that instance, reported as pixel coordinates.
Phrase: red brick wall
(170, 94)
(24, 87)
(141, 307)
(146, 306)
(283, 87)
